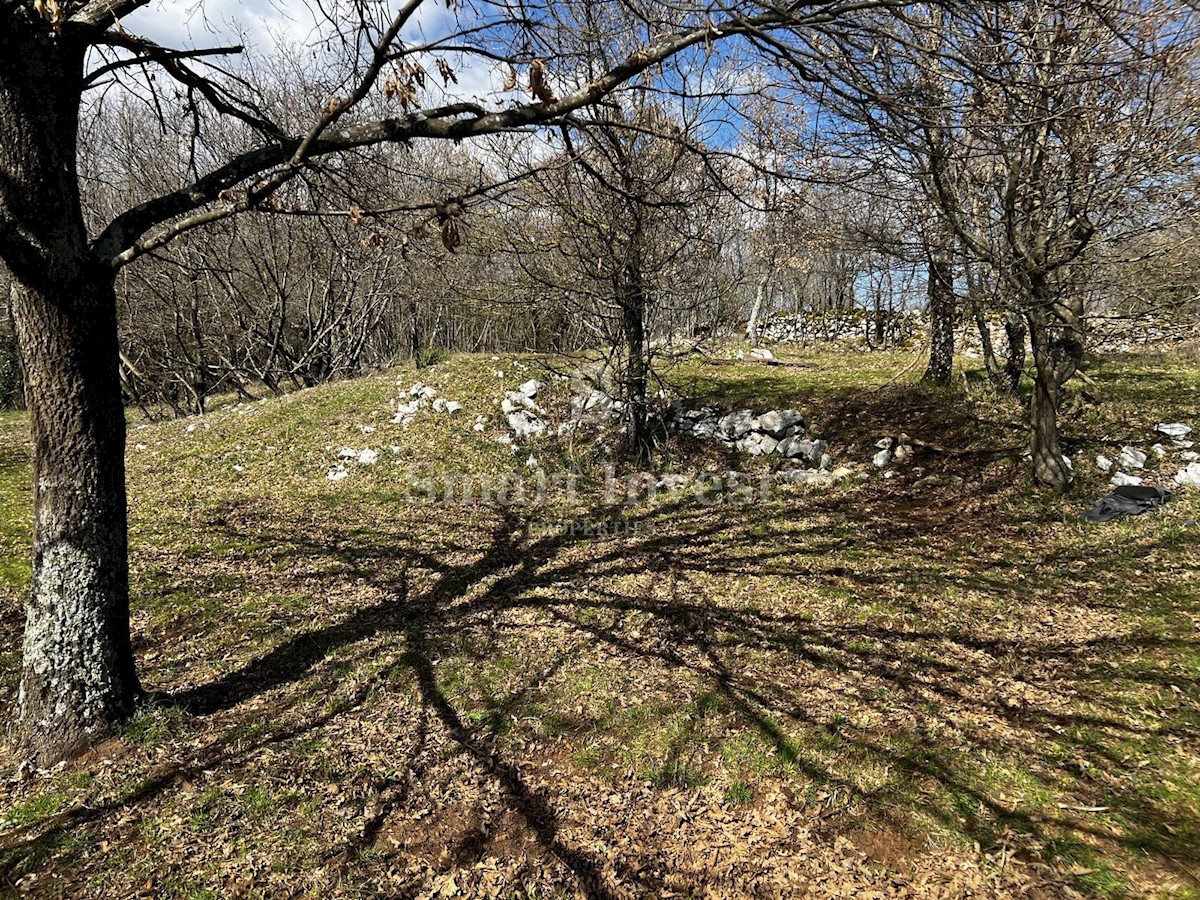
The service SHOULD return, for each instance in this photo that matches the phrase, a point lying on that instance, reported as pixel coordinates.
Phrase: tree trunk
(941, 317)
(1049, 464)
(1014, 367)
(78, 676)
(756, 310)
(991, 364)
(1057, 339)
(633, 326)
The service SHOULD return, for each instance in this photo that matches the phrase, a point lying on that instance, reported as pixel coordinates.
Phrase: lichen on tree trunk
(78, 677)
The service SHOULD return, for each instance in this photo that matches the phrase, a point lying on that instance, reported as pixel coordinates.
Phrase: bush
(429, 355)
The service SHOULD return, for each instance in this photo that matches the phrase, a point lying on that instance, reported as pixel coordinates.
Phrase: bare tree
(1035, 128)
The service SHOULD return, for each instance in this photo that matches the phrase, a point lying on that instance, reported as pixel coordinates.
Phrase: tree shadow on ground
(921, 696)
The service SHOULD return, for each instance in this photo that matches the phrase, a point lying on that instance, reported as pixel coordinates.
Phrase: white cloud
(187, 23)
(263, 25)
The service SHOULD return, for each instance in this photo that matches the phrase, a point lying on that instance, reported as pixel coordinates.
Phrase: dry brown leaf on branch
(447, 214)
(411, 72)
(50, 11)
(510, 83)
(537, 83)
(395, 89)
(446, 72)
(332, 106)
(356, 214)
(451, 237)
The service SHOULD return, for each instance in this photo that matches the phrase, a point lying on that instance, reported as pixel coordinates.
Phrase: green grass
(15, 524)
(340, 672)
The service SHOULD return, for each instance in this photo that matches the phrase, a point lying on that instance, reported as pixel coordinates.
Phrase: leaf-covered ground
(874, 689)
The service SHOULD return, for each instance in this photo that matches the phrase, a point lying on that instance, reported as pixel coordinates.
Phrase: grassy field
(915, 687)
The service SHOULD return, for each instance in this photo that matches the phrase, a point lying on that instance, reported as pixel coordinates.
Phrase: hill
(925, 679)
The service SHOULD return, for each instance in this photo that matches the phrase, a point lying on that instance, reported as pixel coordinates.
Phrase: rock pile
(779, 431)
(856, 326)
(597, 404)
(524, 416)
(892, 450)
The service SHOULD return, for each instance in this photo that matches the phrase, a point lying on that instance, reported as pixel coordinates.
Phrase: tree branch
(458, 121)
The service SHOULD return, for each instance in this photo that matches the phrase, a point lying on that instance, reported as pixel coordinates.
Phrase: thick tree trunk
(1057, 339)
(78, 676)
(1049, 463)
(941, 317)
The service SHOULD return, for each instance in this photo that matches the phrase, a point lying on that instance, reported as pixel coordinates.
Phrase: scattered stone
(1173, 429)
(808, 476)
(1131, 458)
(1159, 450)
(337, 473)
(882, 458)
(367, 429)
(422, 391)
(1103, 463)
(532, 462)
(347, 453)
(530, 388)
(1121, 479)
(672, 482)
(479, 424)
(367, 457)
(761, 353)
(1189, 475)
(405, 412)
(902, 453)
(885, 443)
(525, 425)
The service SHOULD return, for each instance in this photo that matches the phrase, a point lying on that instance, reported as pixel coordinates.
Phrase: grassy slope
(948, 689)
